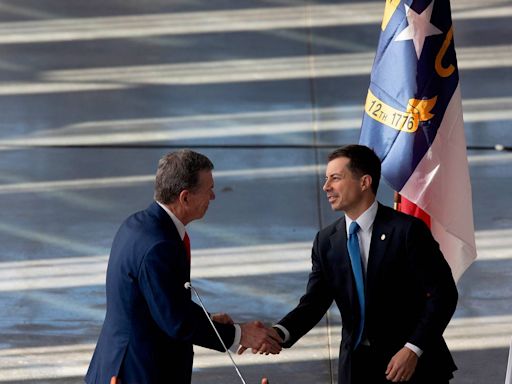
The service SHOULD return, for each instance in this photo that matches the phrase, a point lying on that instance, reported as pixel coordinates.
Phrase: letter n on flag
(413, 121)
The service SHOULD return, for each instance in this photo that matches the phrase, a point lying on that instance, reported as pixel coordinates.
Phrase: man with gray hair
(151, 322)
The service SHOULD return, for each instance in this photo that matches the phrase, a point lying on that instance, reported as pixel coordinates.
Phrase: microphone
(188, 285)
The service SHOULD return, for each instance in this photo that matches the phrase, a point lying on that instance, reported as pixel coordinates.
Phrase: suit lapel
(381, 236)
(339, 260)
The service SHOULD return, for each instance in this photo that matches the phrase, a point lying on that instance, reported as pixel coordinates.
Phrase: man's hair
(363, 161)
(178, 171)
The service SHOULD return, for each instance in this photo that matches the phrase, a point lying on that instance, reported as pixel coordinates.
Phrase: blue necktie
(357, 269)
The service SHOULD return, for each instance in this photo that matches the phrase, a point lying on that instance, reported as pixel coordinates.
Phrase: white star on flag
(419, 27)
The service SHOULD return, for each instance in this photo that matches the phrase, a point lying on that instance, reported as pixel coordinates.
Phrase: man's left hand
(402, 366)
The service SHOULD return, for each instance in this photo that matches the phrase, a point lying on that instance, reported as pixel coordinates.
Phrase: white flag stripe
(440, 185)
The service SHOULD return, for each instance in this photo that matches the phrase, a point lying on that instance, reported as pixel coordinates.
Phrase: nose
(326, 186)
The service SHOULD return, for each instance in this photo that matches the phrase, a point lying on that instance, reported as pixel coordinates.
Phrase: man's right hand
(259, 338)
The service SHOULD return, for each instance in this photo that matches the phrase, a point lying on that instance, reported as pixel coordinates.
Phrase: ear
(366, 182)
(183, 197)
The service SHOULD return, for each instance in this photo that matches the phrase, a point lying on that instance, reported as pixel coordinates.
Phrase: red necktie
(186, 241)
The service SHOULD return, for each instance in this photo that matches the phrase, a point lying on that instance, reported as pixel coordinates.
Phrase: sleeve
(312, 305)
(438, 287)
(161, 279)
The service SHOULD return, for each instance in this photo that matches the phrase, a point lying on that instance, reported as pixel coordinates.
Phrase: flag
(413, 121)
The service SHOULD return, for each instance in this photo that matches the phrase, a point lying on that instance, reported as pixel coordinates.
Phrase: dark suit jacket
(410, 293)
(151, 322)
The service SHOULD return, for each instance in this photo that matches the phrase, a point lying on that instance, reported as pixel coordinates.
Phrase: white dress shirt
(177, 223)
(182, 230)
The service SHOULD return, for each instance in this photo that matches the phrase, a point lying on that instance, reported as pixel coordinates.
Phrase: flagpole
(396, 201)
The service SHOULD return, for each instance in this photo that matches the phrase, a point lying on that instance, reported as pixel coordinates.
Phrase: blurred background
(93, 93)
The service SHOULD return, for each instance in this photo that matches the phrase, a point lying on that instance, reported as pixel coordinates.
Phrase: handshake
(255, 335)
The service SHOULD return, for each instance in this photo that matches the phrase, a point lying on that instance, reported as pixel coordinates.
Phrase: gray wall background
(93, 93)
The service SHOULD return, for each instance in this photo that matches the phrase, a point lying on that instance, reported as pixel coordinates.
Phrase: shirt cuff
(284, 330)
(236, 340)
(415, 349)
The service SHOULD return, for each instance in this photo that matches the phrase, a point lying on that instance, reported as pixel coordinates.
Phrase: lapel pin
(383, 237)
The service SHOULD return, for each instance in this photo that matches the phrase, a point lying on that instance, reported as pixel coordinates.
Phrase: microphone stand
(188, 285)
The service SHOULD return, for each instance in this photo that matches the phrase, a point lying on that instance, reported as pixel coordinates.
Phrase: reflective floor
(93, 93)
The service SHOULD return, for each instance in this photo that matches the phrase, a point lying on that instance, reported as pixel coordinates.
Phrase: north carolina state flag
(413, 121)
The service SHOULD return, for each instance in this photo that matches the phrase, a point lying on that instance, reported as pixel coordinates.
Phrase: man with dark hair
(388, 277)
(151, 322)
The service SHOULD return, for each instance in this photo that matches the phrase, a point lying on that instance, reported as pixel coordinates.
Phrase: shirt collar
(179, 225)
(366, 219)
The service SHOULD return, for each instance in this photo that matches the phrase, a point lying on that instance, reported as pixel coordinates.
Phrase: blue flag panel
(413, 79)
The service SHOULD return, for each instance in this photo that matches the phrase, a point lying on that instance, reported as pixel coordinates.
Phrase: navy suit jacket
(410, 293)
(151, 322)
